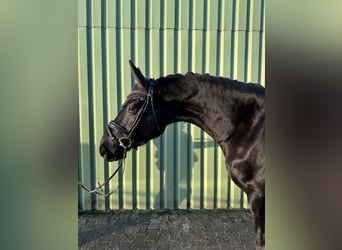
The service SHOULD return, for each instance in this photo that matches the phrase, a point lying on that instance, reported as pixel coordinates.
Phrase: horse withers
(231, 112)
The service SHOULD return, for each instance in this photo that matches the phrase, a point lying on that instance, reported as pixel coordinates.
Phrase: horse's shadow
(169, 188)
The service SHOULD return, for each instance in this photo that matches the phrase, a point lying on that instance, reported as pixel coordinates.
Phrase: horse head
(138, 121)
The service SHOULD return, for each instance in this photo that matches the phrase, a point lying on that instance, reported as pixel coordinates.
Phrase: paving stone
(174, 229)
(125, 245)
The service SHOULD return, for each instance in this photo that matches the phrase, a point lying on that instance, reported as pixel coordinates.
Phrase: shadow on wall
(167, 198)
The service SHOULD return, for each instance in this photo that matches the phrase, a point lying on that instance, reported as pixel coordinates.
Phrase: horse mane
(215, 80)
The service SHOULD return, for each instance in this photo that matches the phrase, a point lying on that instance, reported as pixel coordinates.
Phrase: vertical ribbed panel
(184, 168)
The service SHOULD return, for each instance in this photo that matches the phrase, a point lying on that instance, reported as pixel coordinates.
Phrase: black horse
(231, 112)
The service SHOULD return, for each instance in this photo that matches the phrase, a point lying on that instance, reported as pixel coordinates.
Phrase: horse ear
(138, 76)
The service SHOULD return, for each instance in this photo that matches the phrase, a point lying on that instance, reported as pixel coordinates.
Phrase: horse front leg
(257, 205)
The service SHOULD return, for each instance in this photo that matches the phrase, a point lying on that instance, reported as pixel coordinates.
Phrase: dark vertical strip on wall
(134, 153)
(247, 40)
(162, 155)
(161, 173)
(119, 101)
(147, 72)
(176, 30)
(132, 30)
(190, 162)
(176, 166)
(90, 100)
(228, 193)
(261, 39)
(205, 24)
(176, 127)
(202, 170)
(148, 176)
(190, 35)
(161, 30)
(80, 170)
(204, 48)
(189, 139)
(232, 54)
(104, 86)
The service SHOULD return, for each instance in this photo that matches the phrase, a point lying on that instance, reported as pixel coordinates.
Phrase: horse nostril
(102, 152)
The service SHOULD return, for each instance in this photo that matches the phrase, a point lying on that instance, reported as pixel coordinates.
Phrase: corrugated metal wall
(184, 168)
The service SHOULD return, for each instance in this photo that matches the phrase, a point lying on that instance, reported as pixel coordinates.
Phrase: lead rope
(99, 187)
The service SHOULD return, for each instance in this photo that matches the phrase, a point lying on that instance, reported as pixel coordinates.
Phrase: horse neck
(214, 104)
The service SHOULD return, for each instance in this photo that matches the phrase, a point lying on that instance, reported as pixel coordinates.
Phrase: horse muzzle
(111, 152)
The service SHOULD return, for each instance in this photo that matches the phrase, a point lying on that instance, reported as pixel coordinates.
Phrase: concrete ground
(169, 229)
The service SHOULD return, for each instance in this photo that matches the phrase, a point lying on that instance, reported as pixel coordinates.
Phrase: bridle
(126, 142)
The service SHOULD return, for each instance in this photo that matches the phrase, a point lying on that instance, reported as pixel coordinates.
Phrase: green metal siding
(184, 168)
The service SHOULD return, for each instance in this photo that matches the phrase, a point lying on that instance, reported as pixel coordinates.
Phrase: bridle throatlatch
(126, 141)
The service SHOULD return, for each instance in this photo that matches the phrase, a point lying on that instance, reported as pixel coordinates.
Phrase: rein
(125, 142)
(99, 190)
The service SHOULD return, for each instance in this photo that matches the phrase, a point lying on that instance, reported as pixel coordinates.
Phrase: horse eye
(132, 108)
(135, 105)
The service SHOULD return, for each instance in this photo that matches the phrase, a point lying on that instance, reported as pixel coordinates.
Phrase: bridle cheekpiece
(126, 142)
